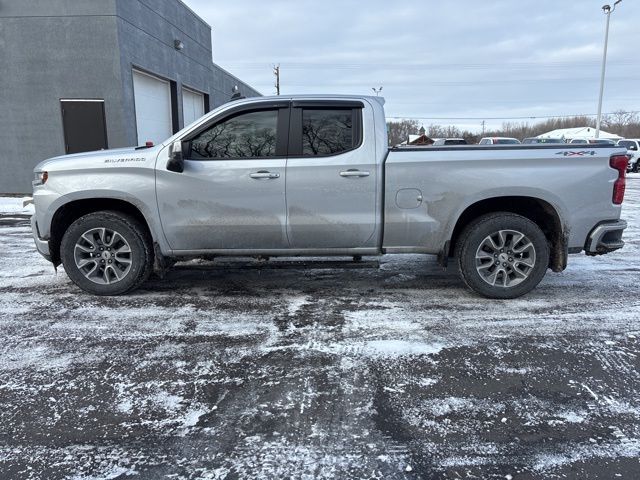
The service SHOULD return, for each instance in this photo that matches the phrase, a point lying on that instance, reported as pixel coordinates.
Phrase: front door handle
(354, 173)
(264, 174)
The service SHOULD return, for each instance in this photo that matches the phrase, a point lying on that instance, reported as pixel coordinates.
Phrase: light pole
(607, 11)
(378, 90)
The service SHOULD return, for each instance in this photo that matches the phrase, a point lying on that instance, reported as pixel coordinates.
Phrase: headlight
(40, 178)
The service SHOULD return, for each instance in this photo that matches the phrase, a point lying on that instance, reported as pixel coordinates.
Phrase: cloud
(434, 59)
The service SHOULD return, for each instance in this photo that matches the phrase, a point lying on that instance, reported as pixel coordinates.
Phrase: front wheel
(106, 253)
(502, 255)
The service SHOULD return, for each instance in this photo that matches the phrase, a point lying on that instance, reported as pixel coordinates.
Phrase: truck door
(331, 176)
(231, 194)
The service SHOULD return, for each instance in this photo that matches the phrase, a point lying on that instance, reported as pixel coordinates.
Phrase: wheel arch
(69, 212)
(539, 211)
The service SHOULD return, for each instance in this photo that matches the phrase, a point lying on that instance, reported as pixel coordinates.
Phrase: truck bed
(428, 188)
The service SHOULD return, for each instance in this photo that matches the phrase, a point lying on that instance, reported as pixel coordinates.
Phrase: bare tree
(623, 123)
(399, 131)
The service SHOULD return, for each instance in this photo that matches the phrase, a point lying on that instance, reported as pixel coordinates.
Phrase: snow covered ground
(244, 370)
(15, 205)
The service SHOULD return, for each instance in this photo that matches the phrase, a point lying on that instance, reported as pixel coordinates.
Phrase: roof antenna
(235, 94)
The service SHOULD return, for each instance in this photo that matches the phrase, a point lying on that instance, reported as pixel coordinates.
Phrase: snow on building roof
(578, 132)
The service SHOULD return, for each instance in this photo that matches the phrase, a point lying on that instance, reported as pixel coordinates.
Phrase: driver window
(246, 135)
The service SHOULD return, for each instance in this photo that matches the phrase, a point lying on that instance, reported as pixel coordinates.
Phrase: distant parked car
(499, 141)
(594, 141)
(633, 153)
(543, 140)
(450, 141)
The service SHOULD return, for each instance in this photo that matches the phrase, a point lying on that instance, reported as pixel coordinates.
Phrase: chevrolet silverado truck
(314, 176)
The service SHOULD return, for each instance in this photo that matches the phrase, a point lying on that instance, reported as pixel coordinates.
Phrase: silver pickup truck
(313, 175)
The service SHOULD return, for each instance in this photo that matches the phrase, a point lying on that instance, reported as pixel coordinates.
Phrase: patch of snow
(457, 461)
(427, 382)
(191, 418)
(572, 417)
(373, 349)
(295, 304)
(629, 448)
(167, 400)
(112, 473)
(15, 205)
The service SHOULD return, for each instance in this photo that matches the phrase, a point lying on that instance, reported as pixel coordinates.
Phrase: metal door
(230, 195)
(84, 125)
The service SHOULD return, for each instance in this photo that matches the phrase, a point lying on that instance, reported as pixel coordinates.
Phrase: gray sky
(436, 60)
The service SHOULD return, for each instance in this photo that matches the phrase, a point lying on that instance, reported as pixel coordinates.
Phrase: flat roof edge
(194, 13)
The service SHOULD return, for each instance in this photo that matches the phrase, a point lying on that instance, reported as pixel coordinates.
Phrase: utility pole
(607, 11)
(483, 124)
(276, 72)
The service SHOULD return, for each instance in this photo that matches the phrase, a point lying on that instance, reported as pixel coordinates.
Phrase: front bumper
(605, 237)
(41, 245)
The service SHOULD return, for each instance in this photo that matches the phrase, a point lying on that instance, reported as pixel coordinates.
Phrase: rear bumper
(605, 237)
(41, 245)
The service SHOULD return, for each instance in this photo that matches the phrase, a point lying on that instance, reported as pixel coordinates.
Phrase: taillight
(619, 163)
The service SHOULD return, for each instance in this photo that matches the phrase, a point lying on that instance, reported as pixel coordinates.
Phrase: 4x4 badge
(580, 153)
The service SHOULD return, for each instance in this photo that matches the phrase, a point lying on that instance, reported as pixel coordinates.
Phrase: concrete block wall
(44, 59)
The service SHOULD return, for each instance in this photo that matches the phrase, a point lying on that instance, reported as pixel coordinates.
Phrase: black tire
(473, 241)
(133, 240)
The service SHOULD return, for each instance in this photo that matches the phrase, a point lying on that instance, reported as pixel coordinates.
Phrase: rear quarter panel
(452, 179)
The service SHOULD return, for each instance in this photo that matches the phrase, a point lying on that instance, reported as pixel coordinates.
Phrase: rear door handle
(264, 174)
(354, 173)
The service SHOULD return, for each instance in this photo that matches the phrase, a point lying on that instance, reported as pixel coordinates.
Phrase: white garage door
(192, 106)
(153, 108)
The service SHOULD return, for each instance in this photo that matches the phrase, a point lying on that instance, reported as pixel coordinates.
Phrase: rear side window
(248, 135)
(328, 131)
(506, 141)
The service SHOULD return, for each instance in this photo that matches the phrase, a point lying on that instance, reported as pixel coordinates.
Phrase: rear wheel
(502, 255)
(106, 253)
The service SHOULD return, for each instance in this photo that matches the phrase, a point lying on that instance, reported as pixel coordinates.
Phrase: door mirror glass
(176, 159)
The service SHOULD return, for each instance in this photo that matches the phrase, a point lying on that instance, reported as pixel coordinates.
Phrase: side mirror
(176, 160)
